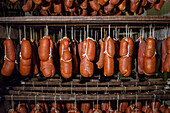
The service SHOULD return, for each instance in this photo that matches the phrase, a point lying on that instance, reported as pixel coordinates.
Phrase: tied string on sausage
(63, 50)
(85, 54)
(105, 52)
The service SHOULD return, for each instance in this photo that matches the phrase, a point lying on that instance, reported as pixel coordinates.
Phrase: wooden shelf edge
(86, 97)
(88, 19)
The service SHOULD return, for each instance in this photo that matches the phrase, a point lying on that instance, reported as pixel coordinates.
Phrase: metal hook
(116, 32)
(150, 30)
(72, 32)
(20, 38)
(91, 33)
(109, 29)
(85, 33)
(24, 32)
(95, 35)
(80, 35)
(71, 87)
(87, 30)
(101, 33)
(117, 101)
(65, 30)
(126, 31)
(86, 88)
(46, 30)
(12, 101)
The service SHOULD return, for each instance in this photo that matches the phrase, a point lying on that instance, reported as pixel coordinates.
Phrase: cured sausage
(45, 55)
(159, 5)
(116, 57)
(163, 53)
(134, 5)
(88, 55)
(37, 1)
(125, 61)
(13, 1)
(84, 5)
(85, 107)
(149, 57)
(123, 106)
(114, 2)
(94, 5)
(102, 2)
(9, 58)
(100, 62)
(45, 5)
(168, 45)
(80, 49)
(105, 106)
(108, 8)
(149, 48)
(27, 6)
(57, 8)
(167, 110)
(44, 12)
(74, 51)
(109, 52)
(21, 109)
(65, 58)
(34, 58)
(12, 111)
(68, 3)
(25, 59)
(144, 2)
(94, 13)
(141, 55)
(162, 108)
(122, 6)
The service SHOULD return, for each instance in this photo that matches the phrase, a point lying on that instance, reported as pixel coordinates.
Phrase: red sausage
(9, 62)
(65, 58)
(109, 52)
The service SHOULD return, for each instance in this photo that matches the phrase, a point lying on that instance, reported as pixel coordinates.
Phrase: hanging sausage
(9, 56)
(125, 61)
(109, 52)
(65, 58)
(100, 62)
(74, 51)
(149, 56)
(141, 55)
(166, 64)
(88, 55)
(45, 55)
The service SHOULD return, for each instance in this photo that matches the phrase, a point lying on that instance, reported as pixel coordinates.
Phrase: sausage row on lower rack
(92, 107)
(69, 57)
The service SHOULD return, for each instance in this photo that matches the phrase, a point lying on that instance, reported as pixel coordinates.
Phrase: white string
(105, 52)
(85, 54)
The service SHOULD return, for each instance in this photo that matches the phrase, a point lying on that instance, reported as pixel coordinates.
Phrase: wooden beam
(25, 88)
(13, 92)
(88, 19)
(82, 97)
(57, 82)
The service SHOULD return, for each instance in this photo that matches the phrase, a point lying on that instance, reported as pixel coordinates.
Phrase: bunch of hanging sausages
(90, 7)
(70, 57)
(123, 107)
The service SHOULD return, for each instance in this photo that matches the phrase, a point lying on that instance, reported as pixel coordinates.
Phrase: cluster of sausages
(72, 57)
(123, 107)
(90, 7)
(166, 55)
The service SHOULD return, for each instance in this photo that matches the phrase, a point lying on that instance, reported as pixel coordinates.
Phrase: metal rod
(87, 30)
(109, 29)
(72, 33)
(101, 33)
